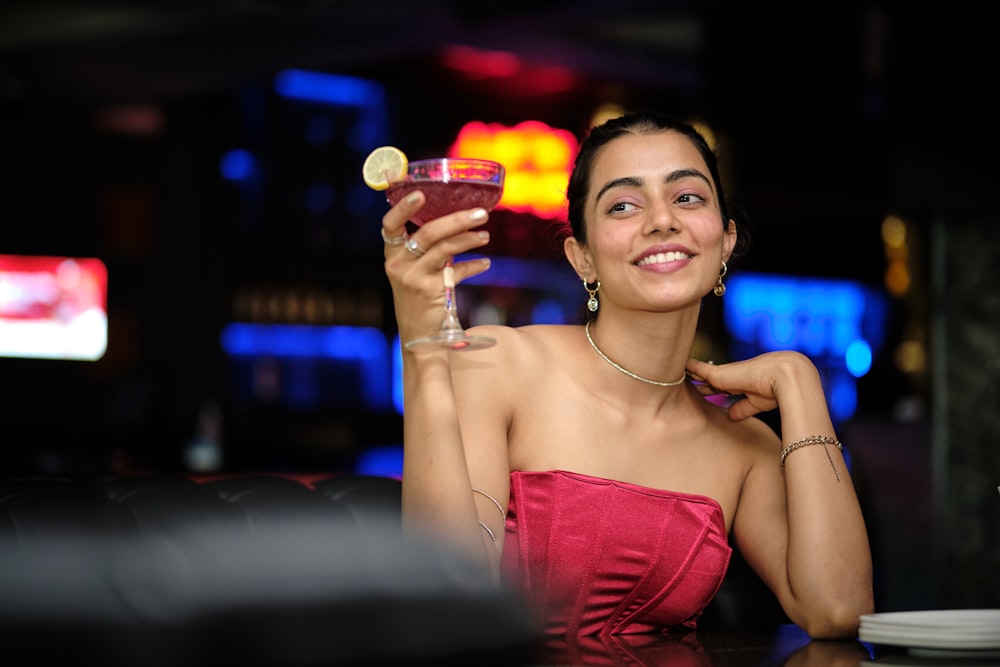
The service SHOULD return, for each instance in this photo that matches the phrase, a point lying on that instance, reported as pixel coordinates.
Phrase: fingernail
(485, 261)
(478, 214)
(412, 198)
(483, 235)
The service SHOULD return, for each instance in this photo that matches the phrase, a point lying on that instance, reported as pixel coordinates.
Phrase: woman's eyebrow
(630, 181)
(635, 181)
(686, 173)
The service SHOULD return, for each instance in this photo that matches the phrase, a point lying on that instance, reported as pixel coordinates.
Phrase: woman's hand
(414, 263)
(757, 384)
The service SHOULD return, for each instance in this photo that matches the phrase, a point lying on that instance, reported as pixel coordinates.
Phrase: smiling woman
(619, 484)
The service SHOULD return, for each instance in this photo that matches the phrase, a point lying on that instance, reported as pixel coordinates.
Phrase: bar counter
(782, 646)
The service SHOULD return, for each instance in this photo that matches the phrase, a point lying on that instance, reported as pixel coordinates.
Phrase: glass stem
(450, 322)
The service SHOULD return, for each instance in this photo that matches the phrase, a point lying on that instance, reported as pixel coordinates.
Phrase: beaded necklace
(625, 370)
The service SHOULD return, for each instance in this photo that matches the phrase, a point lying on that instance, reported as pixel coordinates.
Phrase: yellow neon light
(538, 159)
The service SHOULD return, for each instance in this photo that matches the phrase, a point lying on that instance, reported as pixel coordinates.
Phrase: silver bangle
(503, 515)
(488, 531)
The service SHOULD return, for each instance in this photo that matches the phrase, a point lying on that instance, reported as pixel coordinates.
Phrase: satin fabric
(594, 556)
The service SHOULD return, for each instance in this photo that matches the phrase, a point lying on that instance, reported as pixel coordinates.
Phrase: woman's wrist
(797, 379)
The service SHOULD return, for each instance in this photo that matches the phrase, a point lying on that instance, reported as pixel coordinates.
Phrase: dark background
(830, 117)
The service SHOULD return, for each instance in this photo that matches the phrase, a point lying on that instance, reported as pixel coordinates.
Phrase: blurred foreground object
(166, 570)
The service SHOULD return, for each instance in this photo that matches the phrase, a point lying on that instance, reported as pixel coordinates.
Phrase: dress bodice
(597, 556)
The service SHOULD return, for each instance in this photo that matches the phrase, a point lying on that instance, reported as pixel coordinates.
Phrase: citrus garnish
(384, 165)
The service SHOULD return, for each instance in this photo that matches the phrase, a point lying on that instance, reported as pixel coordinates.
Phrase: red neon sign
(53, 307)
(538, 159)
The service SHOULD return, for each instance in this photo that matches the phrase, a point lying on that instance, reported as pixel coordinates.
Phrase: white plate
(951, 629)
(938, 641)
(936, 618)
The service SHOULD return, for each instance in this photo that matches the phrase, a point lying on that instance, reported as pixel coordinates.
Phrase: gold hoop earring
(720, 288)
(592, 303)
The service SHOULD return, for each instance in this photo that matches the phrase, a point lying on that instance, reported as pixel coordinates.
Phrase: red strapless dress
(598, 557)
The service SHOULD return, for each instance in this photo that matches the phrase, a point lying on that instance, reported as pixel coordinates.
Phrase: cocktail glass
(449, 185)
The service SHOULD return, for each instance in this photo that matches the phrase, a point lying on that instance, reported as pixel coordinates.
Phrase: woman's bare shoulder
(497, 379)
(527, 339)
(752, 435)
(520, 353)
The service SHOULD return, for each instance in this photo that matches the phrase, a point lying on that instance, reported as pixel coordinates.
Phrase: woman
(583, 464)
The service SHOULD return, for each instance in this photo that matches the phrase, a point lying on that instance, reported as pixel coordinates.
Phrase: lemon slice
(384, 165)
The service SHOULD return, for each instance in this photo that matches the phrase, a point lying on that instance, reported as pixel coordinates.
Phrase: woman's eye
(690, 198)
(621, 207)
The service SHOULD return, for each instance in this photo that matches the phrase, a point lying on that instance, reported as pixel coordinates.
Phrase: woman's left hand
(756, 383)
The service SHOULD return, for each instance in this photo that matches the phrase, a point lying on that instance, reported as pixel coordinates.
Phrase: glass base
(453, 340)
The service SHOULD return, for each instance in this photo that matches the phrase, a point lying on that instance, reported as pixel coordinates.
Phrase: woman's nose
(661, 218)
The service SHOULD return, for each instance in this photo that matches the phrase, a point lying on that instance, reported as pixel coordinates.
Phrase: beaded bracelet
(815, 440)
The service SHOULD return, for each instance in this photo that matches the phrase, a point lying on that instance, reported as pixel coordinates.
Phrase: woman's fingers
(414, 262)
(450, 227)
(441, 239)
(469, 268)
(394, 221)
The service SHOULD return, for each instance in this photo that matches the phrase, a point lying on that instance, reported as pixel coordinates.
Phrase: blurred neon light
(238, 165)
(479, 63)
(526, 274)
(837, 323)
(859, 358)
(397, 375)
(382, 461)
(365, 345)
(484, 65)
(538, 159)
(819, 317)
(328, 88)
(53, 307)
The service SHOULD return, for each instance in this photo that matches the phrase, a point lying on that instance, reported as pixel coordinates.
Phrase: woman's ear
(729, 240)
(579, 259)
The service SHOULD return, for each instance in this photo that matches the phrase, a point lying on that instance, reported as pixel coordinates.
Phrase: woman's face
(655, 233)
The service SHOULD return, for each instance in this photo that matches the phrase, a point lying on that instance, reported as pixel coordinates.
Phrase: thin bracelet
(503, 515)
(488, 531)
(815, 440)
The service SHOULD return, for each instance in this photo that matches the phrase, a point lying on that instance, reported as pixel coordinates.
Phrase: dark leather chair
(252, 570)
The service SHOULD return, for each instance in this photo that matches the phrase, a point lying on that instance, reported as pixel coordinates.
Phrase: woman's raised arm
(437, 485)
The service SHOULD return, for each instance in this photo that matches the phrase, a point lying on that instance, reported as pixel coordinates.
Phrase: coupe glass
(449, 185)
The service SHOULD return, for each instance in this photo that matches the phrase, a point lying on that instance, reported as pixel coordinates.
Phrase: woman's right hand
(415, 268)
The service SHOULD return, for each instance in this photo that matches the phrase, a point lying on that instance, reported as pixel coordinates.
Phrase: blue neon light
(859, 358)
(382, 461)
(328, 88)
(838, 323)
(527, 274)
(237, 165)
(548, 311)
(301, 348)
(397, 375)
(818, 317)
(842, 396)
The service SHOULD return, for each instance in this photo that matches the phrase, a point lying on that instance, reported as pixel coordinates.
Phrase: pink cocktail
(444, 198)
(450, 185)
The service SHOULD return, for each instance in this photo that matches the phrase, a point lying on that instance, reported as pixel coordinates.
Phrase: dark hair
(639, 123)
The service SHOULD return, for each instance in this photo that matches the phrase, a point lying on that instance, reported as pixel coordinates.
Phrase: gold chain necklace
(626, 371)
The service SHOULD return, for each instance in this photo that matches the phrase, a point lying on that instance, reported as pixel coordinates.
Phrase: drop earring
(720, 288)
(592, 303)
